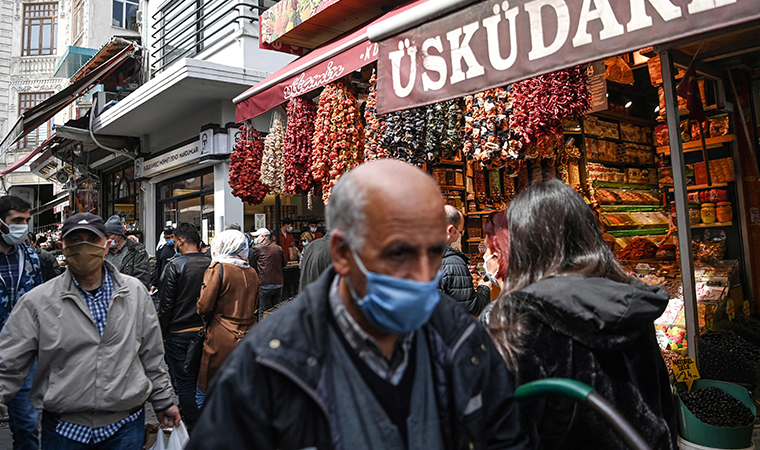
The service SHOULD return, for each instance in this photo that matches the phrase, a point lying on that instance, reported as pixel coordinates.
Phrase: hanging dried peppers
(245, 167)
(338, 136)
(375, 125)
(302, 113)
(272, 167)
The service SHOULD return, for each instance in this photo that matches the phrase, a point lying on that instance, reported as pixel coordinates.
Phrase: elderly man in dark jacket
(371, 355)
(457, 280)
(129, 257)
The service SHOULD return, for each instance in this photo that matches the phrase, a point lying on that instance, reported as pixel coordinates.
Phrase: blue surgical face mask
(170, 241)
(16, 233)
(396, 305)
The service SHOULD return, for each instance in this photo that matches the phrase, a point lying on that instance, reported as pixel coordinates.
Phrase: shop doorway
(189, 198)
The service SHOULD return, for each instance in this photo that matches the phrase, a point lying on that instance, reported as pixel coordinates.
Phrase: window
(78, 19)
(125, 14)
(29, 100)
(40, 29)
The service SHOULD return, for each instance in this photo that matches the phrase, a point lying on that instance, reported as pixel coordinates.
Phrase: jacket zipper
(300, 383)
(467, 333)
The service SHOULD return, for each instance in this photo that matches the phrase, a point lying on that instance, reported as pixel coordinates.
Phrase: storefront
(122, 197)
(188, 199)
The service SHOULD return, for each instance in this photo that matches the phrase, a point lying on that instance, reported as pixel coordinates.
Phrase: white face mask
(457, 245)
(289, 229)
(313, 229)
(16, 233)
(490, 276)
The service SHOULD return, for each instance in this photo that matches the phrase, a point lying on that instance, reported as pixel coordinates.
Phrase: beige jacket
(81, 377)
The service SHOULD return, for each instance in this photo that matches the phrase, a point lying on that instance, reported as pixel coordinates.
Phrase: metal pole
(682, 204)
(277, 219)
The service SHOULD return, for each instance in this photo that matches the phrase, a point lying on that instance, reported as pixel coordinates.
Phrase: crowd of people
(389, 345)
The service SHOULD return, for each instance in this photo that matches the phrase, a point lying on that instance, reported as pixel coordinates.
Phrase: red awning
(38, 115)
(21, 162)
(320, 67)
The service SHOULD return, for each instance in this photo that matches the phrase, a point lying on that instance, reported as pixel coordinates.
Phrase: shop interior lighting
(626, 101)
(657, 108)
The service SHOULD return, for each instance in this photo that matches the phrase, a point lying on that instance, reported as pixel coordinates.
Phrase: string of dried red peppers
(375, 125)
(245, 167)
(338, 136)
(297, 151)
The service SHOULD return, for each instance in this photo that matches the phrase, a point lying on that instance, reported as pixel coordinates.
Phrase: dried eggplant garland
(297, 150)
(338, 136)
(245, 167)
(404, 136)
(444, 127)
(486, 129)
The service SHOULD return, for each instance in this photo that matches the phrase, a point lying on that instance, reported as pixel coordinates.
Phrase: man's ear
(341, 254)
(60, 245)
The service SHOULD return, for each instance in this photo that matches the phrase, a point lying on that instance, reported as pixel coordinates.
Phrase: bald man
(457, 280)
(371, 355)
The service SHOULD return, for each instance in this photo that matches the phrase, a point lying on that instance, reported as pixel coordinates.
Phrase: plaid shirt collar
(98, 302)
(391, 370)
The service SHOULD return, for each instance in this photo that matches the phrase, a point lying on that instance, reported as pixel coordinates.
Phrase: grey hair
(453, 215)
(233, 226)
(345, 212)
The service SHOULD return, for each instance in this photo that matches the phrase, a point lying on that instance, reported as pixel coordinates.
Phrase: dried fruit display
(338, 136)
(639, 248)
(245, 167)
(375, 125)
(541, 104)
(272, 167)
(404, 136)
(297, 150)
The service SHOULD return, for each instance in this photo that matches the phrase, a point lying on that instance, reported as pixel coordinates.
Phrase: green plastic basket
(698, 432)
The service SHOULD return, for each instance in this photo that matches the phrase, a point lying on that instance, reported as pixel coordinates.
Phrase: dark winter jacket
(163, 256)
(457, 282)
(315, 260)
(180, 289)
(133, 261)
(48, 263)
(270, 261)
(274, 390)
(601, 333)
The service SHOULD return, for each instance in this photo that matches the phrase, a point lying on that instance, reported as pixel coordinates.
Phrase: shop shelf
(452, 188)
(481, 213)
(631, 208)
(624, 118)
(622, 164)
(696, 146)
(713, 225)
(445, 162)
(473, 240)
(611, 185)
(640, 232)
(700, 187)
(618, 141)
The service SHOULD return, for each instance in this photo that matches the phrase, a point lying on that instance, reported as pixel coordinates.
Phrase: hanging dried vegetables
(444, 124)
(486, 129)
(338, 136)
(297, 150)
(272, 166)
(542, 103)
(509, 187)
(375, 125)
(404, 136)
(245, 167)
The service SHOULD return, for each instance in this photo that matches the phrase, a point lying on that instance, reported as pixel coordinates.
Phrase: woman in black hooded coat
(570, 311)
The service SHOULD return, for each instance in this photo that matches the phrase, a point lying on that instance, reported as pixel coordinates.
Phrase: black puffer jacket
(601, 333)
(457, 282)
(180, 289)
(274, 391)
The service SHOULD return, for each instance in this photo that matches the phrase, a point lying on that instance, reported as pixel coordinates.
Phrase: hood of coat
(452, 252)
(597, 312)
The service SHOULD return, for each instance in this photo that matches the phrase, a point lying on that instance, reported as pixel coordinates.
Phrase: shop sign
(176, 158)
(494, 43)
(597, 86)
(207, 142)
(60, 208)
(685, 371)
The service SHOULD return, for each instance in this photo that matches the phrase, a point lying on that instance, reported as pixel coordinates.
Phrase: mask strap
(359, 262)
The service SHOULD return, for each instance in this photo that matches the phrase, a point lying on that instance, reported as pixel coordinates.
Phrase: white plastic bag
(177, 440)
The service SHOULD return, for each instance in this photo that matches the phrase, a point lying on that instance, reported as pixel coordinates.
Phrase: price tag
(685, 370)
(731, 310)
(746, 310)
(709, 316)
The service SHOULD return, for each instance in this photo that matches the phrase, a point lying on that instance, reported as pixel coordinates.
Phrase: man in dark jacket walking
(371, 355)
(178, 313)
(457, 281)
(163, 255)
(270, 261)
(129, 257)
(315, 260)
(50, 266)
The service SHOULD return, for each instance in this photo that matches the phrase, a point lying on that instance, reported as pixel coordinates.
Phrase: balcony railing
(37, 65)
(185, 28)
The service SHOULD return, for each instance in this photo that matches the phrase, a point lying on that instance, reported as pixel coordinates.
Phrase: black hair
(552, 233)
(10, 203)
(188, 232)
(313, 221)
(169, 231)
(287, 221)
(41, 239)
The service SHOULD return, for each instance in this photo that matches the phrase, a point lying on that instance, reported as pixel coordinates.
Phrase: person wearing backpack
(228, 303)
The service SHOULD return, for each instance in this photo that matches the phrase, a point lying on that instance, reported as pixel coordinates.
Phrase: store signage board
(260, 221)
(493, 43)
(685, 371)
(597, 86)
(171, 160)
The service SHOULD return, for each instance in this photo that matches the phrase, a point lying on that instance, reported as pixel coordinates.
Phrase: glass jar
(709, 214)
(724, 212)
(694, 215)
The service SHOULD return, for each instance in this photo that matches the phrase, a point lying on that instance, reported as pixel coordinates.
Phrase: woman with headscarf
(228, 303)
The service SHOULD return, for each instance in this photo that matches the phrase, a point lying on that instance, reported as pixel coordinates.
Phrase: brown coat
(236, 301)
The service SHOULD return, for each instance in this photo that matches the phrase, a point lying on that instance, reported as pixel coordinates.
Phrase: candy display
(298, 146)
(245, 167)
(272, 166)
(639, 249)
(717, 408)
(338, 136)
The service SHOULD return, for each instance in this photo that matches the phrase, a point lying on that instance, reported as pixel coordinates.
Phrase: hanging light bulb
(657, 108)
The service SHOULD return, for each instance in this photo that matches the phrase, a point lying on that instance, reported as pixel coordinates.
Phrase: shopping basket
(583, 393)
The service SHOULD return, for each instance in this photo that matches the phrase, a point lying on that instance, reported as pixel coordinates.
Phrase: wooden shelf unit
(696, 146)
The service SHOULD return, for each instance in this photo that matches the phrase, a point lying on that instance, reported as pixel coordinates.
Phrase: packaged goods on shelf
(635, 175)
(635, 133)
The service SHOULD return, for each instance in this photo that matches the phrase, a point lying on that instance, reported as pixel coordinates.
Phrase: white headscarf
(230, 247)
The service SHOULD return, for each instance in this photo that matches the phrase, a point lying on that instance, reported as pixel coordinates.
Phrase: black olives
(714, 407)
